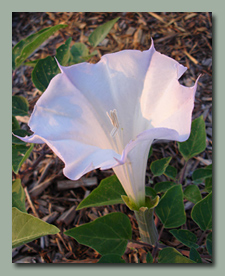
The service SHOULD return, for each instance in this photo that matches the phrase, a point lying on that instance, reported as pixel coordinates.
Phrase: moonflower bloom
(106, 115)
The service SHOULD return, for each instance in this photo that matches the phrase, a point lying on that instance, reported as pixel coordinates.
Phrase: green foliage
(171, 172)
(196, 142)
(27, 46)
(108, 192)
(43, 72)
(78, 52)
(107, 235)
(101, 32)
(170, 209)
(15, 123)
(149, 258)
(20, 153)
(47, 68)
(150, 192)
(192, 193)
(18, 196)
(195, 256)
(202, 213)
(185, 236)
(21, 133)
(111, 258)
(209, 243)
(26, 228)
(63, 52)
(19, 106)
(170, 255)
(201, 174)
(208, 185)
(158, 167)
(162, 187)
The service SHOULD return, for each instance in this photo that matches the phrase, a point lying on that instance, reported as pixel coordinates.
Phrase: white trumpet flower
(106, 115)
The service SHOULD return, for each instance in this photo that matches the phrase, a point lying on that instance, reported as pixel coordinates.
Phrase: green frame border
(216, 7)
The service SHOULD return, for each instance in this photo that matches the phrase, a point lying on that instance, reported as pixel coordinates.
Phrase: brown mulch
(186, 37)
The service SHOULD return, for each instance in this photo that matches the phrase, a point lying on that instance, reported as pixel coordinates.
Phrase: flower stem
(146, 224)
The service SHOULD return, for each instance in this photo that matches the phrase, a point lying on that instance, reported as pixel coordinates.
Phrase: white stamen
(114, 121)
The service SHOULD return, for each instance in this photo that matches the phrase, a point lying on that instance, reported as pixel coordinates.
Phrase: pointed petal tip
(59, 65)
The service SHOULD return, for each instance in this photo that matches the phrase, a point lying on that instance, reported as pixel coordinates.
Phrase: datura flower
(106, 115)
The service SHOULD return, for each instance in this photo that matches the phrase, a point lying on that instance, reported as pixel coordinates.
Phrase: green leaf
(18, 196)
(108, 192)
(196, 142)
(209, 243)
(47, 68)
(150, 192)
(63, 52)
(19, 155)
(158, 167)
(27, 46)
(194, 256)
(78, 53)
(149, 258)
(200, 174)
(107, 235)
(170, 255)
(31, 63)
(15, 123)
(185, 236)
(162, 187)
(19, 106)
(21, 133)
(171, 172)
(170, 209)
(43, 72)
(111, 258)
(202, 213)
(208, 185)
(101, 32)
(26, 228)
(192, 193)
(150, 152)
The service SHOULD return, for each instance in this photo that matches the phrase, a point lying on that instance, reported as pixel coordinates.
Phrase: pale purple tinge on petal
(106, 115)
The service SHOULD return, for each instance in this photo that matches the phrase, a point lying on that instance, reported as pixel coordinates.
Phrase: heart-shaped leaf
(202, 213)
(47, 68)
(108, 192)
(171, 172)
(196, 142)
(26, 228)
(170, 209)
(185, 236)
(162, 187)
(107, 235)
(19, 106)
(170, 255)
(192, 193)
(158, 167)
(195, 256)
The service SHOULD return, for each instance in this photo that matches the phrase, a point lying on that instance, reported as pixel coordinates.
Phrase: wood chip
(72, 184)
(190, 57)
(36, 191)
(68, 216)
(51, 217)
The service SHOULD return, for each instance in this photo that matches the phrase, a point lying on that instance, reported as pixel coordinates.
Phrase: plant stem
(146, 225)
